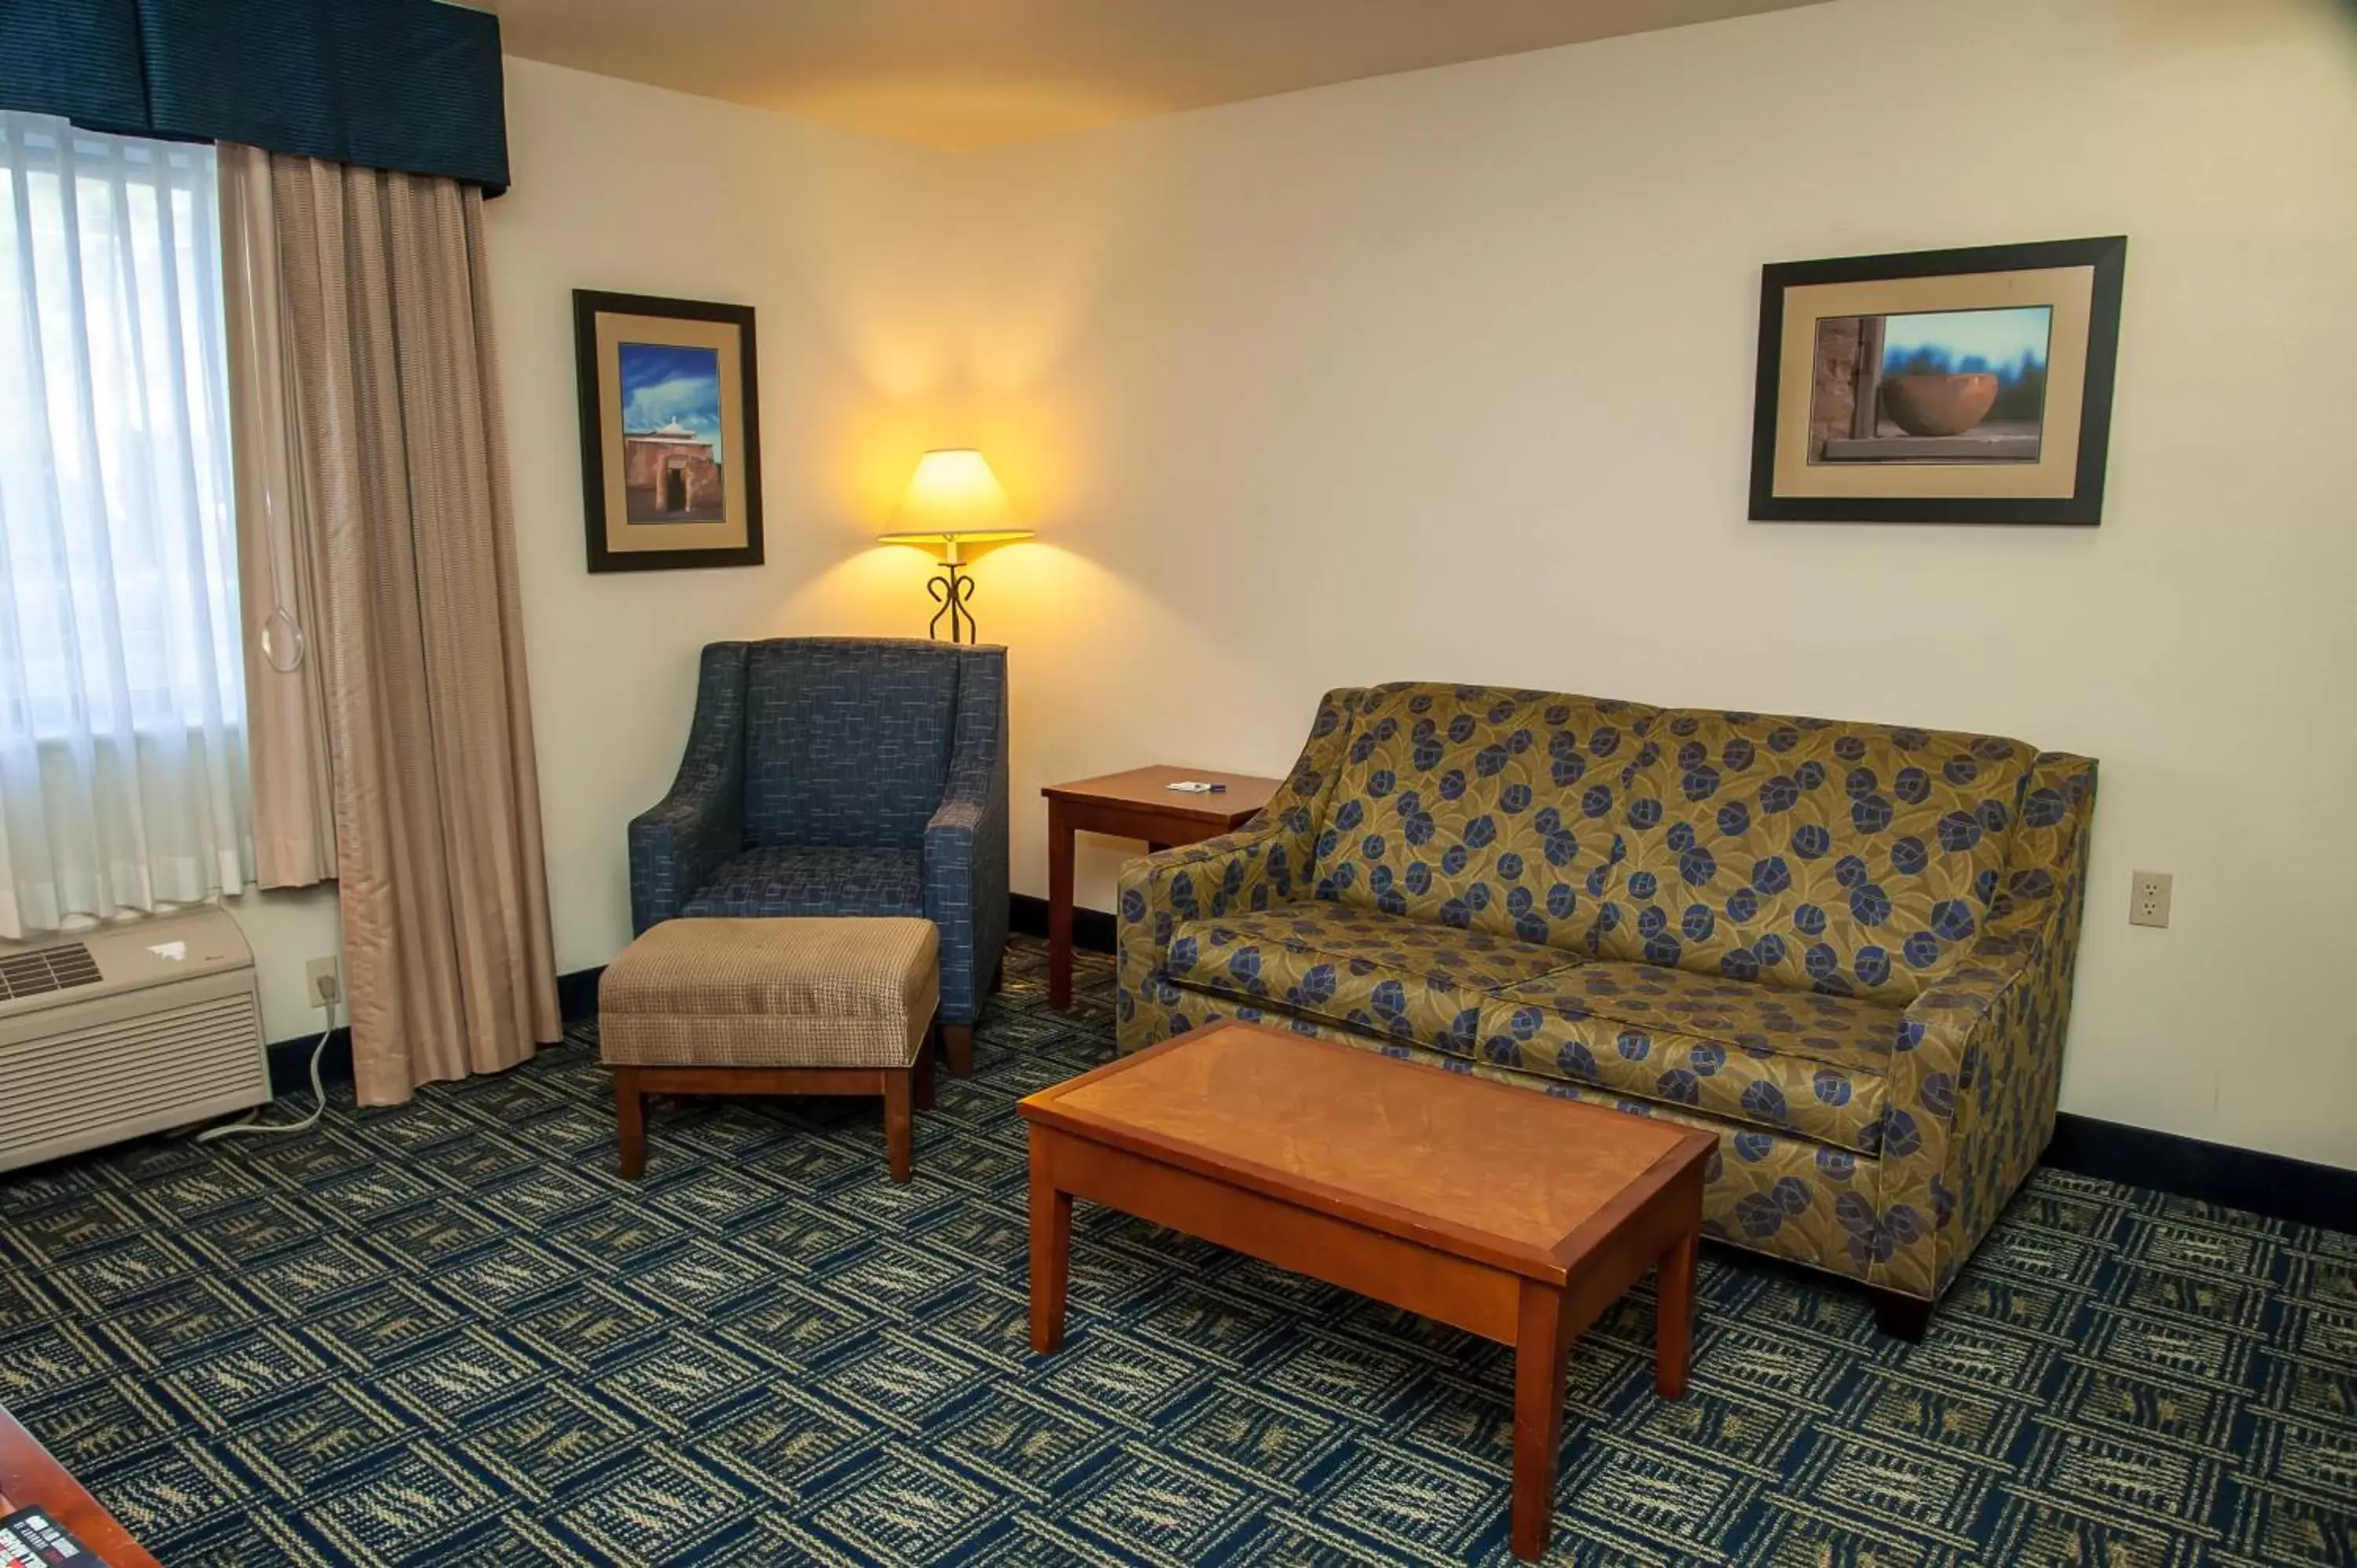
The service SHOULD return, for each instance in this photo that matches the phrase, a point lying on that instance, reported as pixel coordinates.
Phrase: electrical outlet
(327, 983)
(2148, 899)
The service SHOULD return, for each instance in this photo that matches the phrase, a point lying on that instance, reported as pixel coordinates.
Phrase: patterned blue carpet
(450, 1333)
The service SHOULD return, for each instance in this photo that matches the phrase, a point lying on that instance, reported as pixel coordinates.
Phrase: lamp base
(953, 590)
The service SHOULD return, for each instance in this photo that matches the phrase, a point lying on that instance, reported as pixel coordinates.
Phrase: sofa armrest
(675, 845)
(965, 857)
(1267, 861)
(1979, 1065)
(1263, 865)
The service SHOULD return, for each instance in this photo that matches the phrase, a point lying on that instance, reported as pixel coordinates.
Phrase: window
(122, 707)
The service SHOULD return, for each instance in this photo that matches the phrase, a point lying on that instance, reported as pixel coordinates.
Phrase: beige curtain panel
(285, 700)
(382, 608)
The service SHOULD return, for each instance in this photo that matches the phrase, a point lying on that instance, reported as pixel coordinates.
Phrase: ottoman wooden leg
(899, 1131)
(923, 1069)
(630, 1122)
(957, 1044)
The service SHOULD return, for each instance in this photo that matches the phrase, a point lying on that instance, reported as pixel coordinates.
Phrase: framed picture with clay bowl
(1938, 386)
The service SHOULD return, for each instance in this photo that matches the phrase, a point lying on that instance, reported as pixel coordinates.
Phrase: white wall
(1448, 375)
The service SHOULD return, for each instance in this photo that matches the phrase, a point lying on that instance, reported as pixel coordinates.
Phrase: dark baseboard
(290, 1060)
(1091, 929)
(2270, 1185)
(577, 995)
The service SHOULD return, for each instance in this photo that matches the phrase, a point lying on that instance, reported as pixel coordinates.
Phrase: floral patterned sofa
(1847, 948)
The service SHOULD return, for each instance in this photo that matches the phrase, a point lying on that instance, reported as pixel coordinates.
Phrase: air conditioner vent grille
(44, 970)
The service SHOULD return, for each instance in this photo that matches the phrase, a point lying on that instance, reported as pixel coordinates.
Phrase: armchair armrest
(965, 852)
(675, 845)
(1979, 1065)
(1267, 861)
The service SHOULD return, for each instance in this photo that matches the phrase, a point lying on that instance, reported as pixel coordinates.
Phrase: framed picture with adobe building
(671, 454)
(1938, 386)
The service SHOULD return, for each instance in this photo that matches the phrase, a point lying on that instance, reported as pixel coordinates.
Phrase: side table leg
(1059, 908)
(1539, 1368)
(1051, 1250)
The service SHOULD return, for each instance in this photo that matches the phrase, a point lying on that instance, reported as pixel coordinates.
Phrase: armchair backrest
(848, 740)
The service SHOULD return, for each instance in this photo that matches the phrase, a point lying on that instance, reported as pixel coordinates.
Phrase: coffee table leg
(1539, 1368)
(630, 1122)
(1051, 1250)
(1673, 1316)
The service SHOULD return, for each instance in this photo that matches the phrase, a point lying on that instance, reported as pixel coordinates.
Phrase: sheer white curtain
(122, 782)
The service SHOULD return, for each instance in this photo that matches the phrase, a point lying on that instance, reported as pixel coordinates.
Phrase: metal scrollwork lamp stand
(953, 590)
(953, 502)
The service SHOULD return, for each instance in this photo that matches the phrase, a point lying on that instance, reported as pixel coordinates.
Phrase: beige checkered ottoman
(773, 1006)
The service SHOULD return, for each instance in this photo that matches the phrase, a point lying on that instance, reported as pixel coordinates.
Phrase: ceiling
(962, 74)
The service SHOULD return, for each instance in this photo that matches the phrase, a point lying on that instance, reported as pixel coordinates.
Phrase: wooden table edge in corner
(1137, 804)
(1536, 1299)
(30, 1477)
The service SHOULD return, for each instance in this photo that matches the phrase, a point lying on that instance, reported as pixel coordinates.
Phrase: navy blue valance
(410, 85)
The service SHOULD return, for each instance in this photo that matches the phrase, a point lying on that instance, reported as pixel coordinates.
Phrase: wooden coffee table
(1138, 804)
(30, 1479)
(1508, 1214)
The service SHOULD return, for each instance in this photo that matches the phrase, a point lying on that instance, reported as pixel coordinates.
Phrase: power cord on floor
(318, 1098)
(330, 995)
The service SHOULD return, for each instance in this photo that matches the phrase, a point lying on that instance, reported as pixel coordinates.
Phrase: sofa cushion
(813, 879)
(1799, 1062)
(846, 745)
(1793, 1061)
(1846, 857)
(1404, 979)
(1477, 808)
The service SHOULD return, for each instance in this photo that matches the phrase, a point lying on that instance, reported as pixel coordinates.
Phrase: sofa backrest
(1851, 857)
(847, 741)
(1465, 805)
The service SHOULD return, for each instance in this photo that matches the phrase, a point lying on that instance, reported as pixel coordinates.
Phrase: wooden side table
(30, 1479)
(1138, 804)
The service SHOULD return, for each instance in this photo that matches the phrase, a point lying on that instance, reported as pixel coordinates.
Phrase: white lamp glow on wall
(953, 504)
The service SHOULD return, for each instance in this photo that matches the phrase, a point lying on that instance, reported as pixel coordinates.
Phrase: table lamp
(953, 503)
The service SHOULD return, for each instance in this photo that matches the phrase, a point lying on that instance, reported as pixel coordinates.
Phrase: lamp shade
(953, 501)
(953, 496)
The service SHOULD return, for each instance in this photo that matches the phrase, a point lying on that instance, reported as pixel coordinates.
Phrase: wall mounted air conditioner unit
(122, 1030)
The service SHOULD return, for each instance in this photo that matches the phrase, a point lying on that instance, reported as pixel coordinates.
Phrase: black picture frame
(2108, 258)
(589, 304)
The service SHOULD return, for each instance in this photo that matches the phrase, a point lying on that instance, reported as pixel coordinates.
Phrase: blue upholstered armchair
(843, 776)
